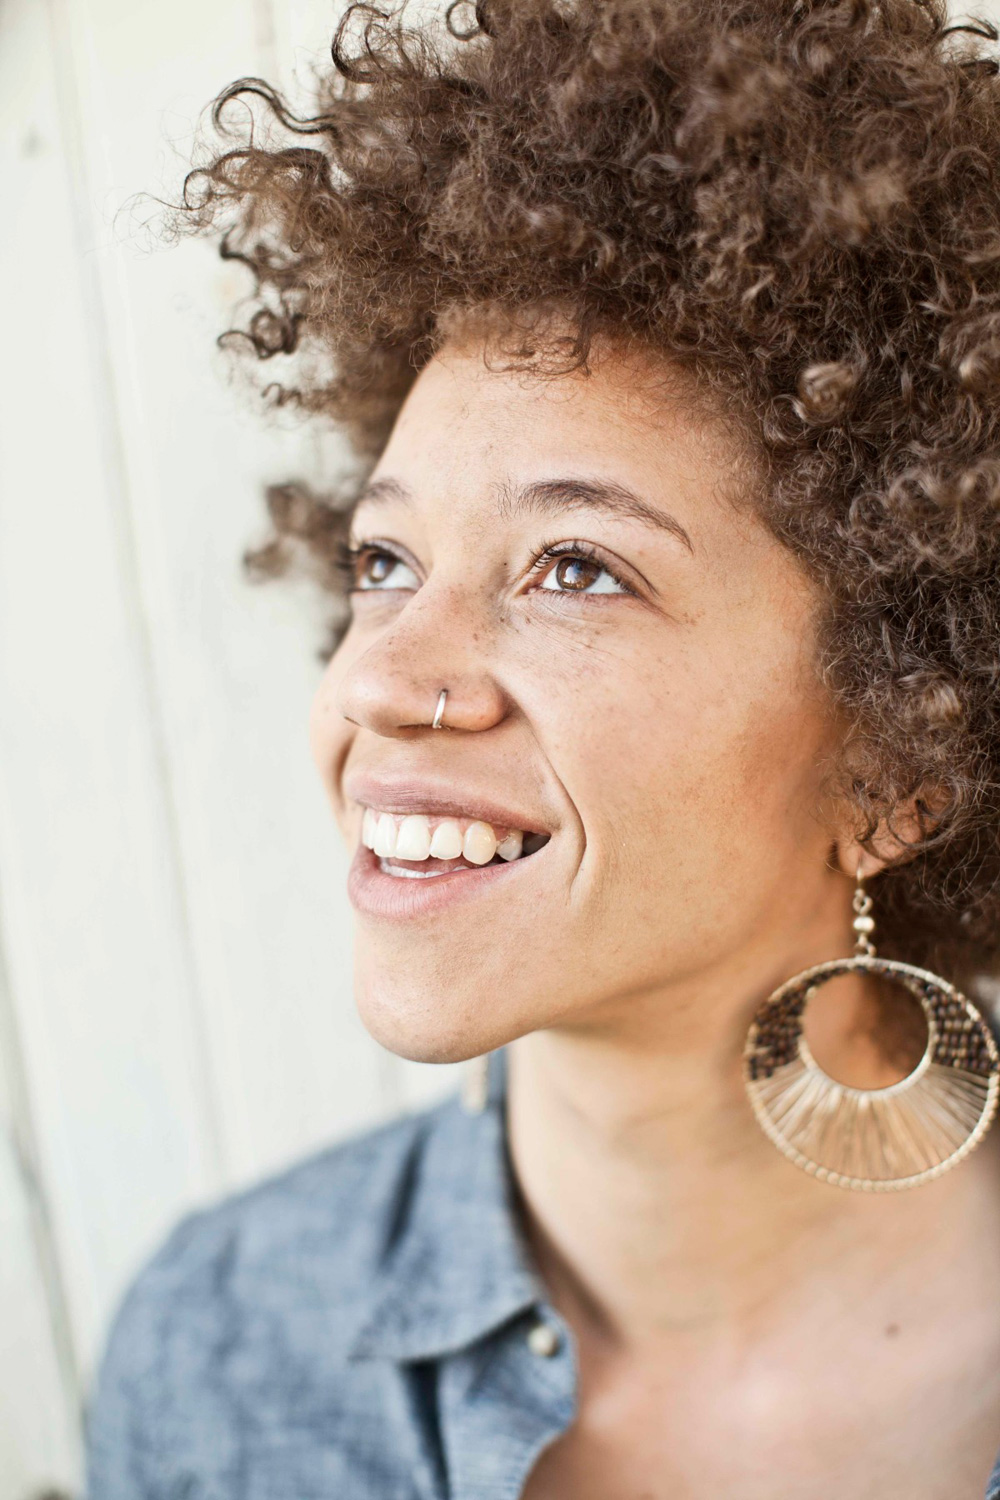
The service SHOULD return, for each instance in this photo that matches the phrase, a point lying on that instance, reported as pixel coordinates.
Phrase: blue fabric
(353, 1329)
(993, 1488)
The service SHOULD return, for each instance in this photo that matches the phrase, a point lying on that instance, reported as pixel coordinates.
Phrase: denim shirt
(366, 1326)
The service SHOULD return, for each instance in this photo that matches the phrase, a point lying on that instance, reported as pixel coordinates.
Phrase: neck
(655, 1203)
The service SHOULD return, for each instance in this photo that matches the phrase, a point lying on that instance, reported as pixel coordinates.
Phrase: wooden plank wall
(175, 1003)
(175, 1006)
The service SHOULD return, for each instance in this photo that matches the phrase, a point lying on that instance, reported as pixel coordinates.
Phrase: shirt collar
(458, 1265)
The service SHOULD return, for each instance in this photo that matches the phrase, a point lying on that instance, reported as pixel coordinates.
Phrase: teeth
(510, 847)
(479, 844)
(418, 837)
(447, 840)
(414, 838)
(385, 836)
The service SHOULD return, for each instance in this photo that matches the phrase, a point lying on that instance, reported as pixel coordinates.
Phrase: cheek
(691, 772)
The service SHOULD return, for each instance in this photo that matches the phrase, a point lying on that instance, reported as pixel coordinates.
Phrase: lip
(375, 894)
(444, 798)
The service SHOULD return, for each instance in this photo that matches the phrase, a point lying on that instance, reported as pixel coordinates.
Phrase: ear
(911, 821)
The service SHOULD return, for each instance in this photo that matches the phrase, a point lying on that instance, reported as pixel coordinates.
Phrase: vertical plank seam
(27, 1159)
(71, 130)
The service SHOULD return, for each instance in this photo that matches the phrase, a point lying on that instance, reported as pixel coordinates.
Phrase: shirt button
(543, 1340)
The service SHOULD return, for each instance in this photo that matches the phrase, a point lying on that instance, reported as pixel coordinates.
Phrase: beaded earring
(873, 1140)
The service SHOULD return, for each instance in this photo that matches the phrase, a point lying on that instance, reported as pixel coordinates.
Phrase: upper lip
(405, 794)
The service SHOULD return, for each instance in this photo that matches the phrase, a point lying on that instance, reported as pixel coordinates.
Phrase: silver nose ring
(439, 711)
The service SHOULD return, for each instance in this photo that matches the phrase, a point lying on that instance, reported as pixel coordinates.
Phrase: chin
(448, 1027)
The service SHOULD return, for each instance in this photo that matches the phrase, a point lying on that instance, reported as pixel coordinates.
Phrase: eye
(576, 569)
(368, 567)
(571, 568)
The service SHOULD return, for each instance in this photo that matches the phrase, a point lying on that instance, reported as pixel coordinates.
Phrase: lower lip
(376, 894)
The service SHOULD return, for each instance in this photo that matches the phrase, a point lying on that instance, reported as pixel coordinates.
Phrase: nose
(436, 641)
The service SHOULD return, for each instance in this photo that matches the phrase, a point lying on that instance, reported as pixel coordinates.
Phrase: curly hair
(796, 200)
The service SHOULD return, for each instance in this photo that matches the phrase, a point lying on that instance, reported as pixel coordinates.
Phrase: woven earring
(875, 1140)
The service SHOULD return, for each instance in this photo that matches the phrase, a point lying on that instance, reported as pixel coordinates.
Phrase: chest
(907, 1424)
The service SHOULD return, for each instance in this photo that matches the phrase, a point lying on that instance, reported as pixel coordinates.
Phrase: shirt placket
(502, 1401)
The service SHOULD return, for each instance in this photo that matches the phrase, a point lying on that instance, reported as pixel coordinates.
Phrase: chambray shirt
(367, 1326)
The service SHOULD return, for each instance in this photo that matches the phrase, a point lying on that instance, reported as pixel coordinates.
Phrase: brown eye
(576, 573)
(373, 568)
(376, 567)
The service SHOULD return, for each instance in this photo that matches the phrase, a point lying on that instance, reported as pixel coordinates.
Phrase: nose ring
(439, 711)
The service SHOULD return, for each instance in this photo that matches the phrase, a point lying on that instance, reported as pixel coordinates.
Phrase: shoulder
(340, 1199)
(263, 1288)
(325, 1219)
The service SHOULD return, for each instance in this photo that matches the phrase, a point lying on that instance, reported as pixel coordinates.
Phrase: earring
(875, 1140)
(438, 721)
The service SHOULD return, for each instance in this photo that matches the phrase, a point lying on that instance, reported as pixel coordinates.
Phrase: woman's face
(629, 661)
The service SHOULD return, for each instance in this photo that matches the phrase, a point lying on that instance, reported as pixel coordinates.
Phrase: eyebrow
(552, 496)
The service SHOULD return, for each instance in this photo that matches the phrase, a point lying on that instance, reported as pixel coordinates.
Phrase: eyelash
(348, 557)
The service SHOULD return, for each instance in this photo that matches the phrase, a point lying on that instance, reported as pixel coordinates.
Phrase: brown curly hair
(799, 201)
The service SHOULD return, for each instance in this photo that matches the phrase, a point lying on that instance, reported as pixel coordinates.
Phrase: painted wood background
(175, 1000)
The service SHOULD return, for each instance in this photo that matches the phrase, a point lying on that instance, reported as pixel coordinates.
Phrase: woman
(667, 333)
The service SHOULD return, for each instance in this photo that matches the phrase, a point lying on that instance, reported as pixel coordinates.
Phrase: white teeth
(413, 840)
(510, 847)
(385, 836)
(447, 840)
(479, 844)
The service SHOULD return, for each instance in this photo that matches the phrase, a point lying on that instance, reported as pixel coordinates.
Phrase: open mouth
(416, 867)
(426, 869)
(418, 846)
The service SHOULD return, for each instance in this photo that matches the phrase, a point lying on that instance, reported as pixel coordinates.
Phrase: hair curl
(798, 200)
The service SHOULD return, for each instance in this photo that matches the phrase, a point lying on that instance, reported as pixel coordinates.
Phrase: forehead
(623, 411)
(469, 436)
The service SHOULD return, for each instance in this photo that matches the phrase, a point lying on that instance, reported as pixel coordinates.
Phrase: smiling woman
(664, 667)
(599, 642)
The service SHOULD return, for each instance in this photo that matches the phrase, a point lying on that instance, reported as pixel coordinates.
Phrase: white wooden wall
(175, 1002)
(175, 1006)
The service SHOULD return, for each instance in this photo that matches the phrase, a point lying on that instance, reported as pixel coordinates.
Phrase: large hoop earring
(873, 1140)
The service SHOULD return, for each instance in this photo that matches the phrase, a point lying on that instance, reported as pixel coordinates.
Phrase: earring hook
(864, 922)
